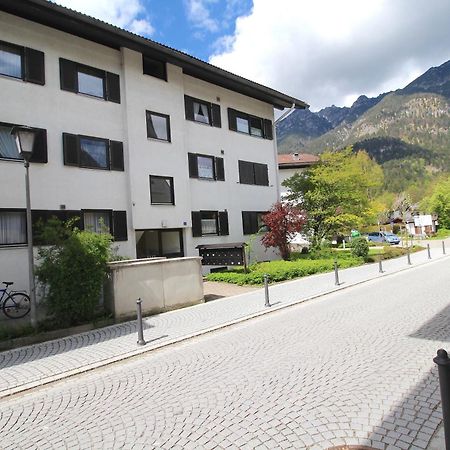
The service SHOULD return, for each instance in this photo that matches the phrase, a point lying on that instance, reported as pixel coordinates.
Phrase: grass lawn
(302, 265)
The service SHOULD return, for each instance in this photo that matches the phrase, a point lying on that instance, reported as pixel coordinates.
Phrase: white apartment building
(168, 151)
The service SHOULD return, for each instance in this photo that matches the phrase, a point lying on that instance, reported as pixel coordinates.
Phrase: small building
(293, 163)
(422, 224)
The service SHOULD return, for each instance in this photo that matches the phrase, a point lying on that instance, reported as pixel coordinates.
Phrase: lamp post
(24, 137)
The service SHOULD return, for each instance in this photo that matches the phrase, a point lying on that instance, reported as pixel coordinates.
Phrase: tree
(439, 202)
(336, 193)
(284, 221)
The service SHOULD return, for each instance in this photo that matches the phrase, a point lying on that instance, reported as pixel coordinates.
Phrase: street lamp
(24, 138)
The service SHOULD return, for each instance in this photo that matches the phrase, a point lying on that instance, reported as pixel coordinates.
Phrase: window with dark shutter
(189, 107)
(247, 222)
(34, 66)
(246, 175)
(87, 80)
(120, 229)
(71, 150)
(216, 119)
(112, 87)
(220, 170)
(268, 129)
(261, 174)
(40, 147)
(196, 223)
(223, 223)
(116, 155)
(232, 125)
(193, 166)
(68, 75)
(154, 68)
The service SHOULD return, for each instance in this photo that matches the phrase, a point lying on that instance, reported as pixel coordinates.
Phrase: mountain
(407, 131)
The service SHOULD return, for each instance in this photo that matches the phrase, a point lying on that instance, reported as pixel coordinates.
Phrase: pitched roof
(70, 21)
(293, 160)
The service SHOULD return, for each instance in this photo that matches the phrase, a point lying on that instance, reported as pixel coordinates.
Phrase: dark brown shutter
(193, 166)
(247, 222)
(220, 170)
(268, 129)
(40, 147)
(116, 155)
(232, 125)
(71, 149)
(246, 175)
(68, 75)
(223, 223)
(261, 174)
(189, 107)
(216, 119)
(112, 87)
(196, 224)
(120, 229)
(34, 66)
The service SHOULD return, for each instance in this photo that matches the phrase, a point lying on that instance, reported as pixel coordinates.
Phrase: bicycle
(15, 304)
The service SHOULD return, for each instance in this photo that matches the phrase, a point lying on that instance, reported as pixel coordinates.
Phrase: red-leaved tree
(283, 220)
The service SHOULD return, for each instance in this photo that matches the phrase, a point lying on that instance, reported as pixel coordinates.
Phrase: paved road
(37, 364)
(353, 367)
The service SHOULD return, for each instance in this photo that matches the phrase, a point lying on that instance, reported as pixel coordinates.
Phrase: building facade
(165, 151)
(290, 164)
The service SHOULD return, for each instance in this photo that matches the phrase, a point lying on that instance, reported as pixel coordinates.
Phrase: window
(248, 124)
(13, 227)
(92, 152)
(253, 173)
(161, 190)
(252, 221)
(158, 126)
(167, 242)
(206, 223)
(202, 111)
(8, 149)
(154, 67)
(97, 221)
(22, 62)
(82, 79)
(206, 167)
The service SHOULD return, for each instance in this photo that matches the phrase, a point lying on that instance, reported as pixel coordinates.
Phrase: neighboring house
(422, 224)
(167, 151)
(293, 163)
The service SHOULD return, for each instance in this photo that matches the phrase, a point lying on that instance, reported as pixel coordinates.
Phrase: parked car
(382, 237)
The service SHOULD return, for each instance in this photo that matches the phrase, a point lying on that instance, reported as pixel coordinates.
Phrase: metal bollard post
(266, 289)
(336, 273)
(443, 247)
(408, 254)
(443, 362)
(429, 251)
(140, 329)
(380, 265)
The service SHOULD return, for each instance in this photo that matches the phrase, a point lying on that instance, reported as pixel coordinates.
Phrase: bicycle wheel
(16, 305)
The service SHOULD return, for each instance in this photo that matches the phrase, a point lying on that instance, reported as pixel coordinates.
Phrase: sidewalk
(39, 364)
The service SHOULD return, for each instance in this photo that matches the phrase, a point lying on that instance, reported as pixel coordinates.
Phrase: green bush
(72, 271)
(360, 247)
(283, 270)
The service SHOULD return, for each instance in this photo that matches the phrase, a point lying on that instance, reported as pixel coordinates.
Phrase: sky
(323, 52)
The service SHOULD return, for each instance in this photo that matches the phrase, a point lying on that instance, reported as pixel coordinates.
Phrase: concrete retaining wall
(162, 284)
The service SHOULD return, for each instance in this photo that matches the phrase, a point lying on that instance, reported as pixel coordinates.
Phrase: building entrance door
(164, 242)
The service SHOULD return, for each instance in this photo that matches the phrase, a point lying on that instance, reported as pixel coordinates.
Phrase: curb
(139, 351)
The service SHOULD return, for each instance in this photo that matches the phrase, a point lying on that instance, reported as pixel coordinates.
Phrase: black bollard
(443, 247)
(429, 251)
(266, 289)
(380, 265)
(443, 362)
(140, 329)
(336, 273)
(408, 255)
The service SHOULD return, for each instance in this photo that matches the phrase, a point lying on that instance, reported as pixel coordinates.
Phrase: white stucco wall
(54, 184)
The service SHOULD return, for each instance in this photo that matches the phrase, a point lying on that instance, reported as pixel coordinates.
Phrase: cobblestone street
(351, 367)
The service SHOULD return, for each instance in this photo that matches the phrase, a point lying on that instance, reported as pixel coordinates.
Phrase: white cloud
(128, 14)
(328, 52)
(199, 15)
